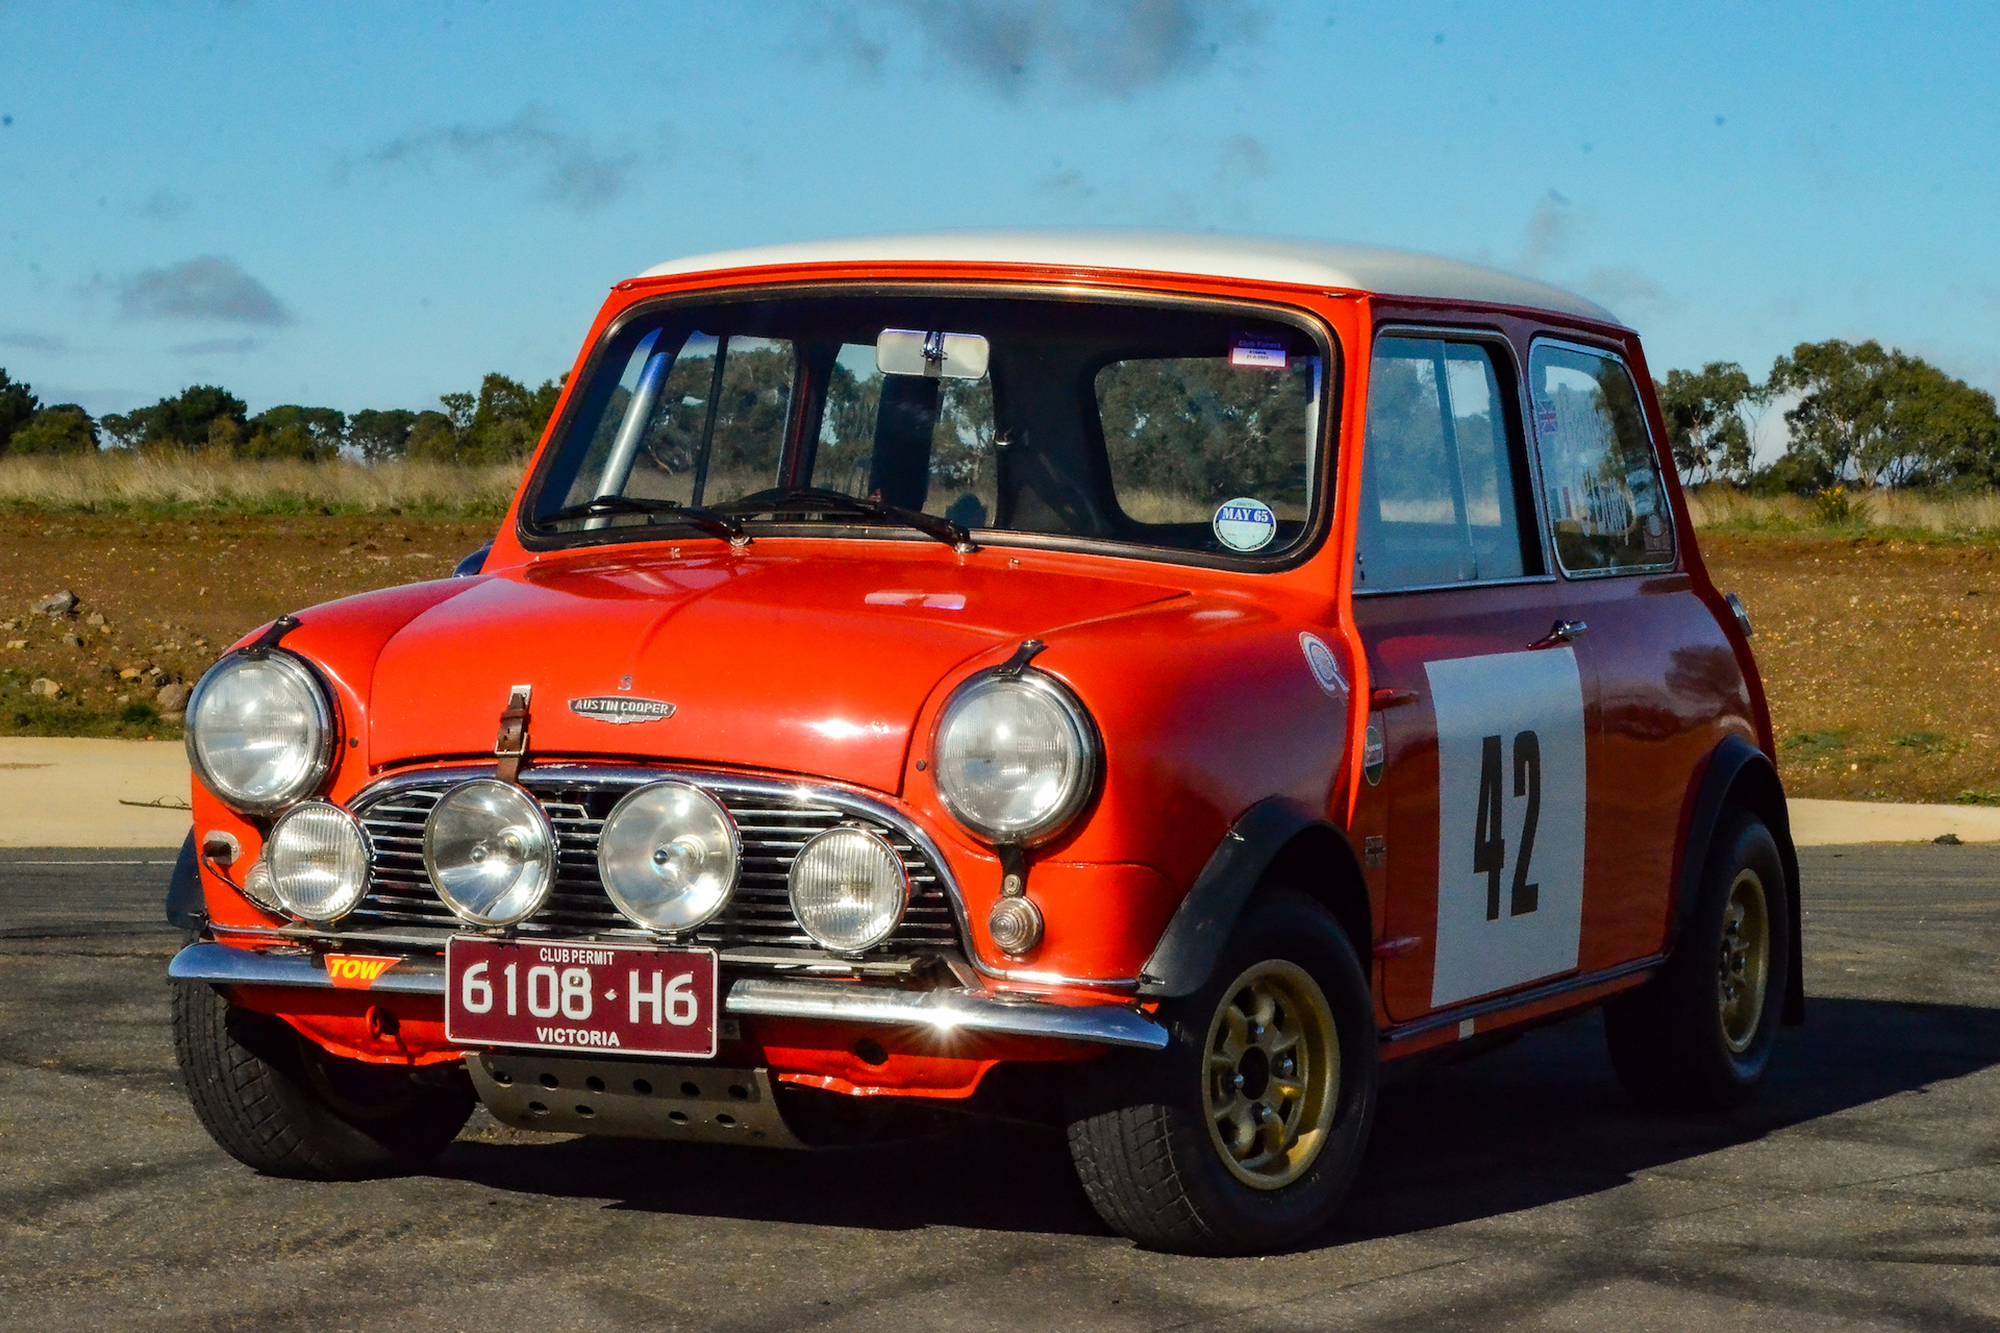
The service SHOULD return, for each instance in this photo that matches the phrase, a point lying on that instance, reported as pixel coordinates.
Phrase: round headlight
(318, 859)
(668, 856)
(849, 889)
(1016, 757)
(260, 732)
(490, 852)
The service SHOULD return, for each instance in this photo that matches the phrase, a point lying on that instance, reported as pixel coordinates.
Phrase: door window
(1607, 506)
(1443, 483)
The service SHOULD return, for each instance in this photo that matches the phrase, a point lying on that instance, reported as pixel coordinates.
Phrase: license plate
(632, 999)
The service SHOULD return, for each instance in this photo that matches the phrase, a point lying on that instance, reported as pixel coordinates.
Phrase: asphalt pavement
(1514, 1190)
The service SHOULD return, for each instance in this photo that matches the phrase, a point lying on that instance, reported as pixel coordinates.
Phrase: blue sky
(367, 205)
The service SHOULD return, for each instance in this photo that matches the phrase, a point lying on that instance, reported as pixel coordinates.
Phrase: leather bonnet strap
(512, 746)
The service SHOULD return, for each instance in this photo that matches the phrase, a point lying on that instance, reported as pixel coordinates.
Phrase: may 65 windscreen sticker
(1510, 820)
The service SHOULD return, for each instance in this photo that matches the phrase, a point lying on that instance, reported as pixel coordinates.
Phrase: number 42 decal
(1489, 832)
(1511, 782)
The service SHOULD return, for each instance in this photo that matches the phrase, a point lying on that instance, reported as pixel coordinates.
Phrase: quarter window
(1607, 505)
(1442, 478)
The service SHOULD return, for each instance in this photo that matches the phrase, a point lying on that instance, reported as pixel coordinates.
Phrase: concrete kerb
(66, 792)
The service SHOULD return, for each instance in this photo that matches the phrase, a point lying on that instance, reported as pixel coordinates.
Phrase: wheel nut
(1237, 1082)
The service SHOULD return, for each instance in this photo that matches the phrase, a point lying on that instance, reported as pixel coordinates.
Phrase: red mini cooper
(1147, 680)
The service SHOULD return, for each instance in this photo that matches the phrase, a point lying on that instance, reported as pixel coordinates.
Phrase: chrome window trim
(1530, 455)
(851, 802)
(1652, 442)
(1524, 581)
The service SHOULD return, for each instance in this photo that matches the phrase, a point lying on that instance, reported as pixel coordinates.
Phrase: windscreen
(1181, 429)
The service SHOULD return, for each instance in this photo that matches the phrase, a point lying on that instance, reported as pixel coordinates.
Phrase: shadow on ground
(1534, 1123)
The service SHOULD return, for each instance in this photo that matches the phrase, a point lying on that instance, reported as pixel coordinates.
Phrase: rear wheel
(1243, 1135)
(275, 1101)
(1699, 1035)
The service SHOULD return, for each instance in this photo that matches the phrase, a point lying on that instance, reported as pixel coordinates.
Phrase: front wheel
(275, 1101)
(1698, 1036)
(1243, 1135)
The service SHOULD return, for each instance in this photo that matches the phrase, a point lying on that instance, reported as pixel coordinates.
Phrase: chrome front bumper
(942, 1011)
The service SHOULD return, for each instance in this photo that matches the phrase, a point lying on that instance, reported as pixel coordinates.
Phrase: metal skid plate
(630, 1098)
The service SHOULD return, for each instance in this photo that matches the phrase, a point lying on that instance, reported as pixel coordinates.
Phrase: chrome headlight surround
(318, 858)
(643, 847)
(309, 754)
(841, 859)
(1069, 724)
(517, 829)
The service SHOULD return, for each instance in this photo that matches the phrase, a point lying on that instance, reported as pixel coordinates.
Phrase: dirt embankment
(1881, 659)
(162, 598)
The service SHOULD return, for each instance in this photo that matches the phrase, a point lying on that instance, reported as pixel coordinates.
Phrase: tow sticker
(1244, 524)
(1324, 666)
(1510, 820)
(354, 971)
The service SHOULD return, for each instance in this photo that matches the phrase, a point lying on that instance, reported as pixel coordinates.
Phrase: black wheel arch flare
(1739, 776)
(1279, 835)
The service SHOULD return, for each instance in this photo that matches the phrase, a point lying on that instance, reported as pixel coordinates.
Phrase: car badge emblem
(621, 708)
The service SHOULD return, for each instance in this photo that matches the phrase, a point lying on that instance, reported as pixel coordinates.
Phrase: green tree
(381, 435)
(18, 405)
(1883, 417)
(202, 416)
(63, 429)
(499, 424)
(311, 434)
(433, 438)
(1704, 415)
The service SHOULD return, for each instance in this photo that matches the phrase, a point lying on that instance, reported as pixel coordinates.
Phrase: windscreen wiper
(695, 516)
(814, 500)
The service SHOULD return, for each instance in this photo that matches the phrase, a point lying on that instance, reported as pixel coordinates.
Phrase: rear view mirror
(951, 356)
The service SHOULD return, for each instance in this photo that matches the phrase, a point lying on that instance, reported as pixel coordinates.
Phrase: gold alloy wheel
(1273, 1075)
(1746, 961)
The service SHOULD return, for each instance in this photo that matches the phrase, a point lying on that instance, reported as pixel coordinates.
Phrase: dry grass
(181, 482)
(1902, 512)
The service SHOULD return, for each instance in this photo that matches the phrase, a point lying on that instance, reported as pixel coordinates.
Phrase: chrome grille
(774, 825)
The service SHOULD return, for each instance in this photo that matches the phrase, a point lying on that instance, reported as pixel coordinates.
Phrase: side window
(1443, 482)
(1607, 506)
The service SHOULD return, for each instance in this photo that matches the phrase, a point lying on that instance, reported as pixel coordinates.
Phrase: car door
(1667, 678)
(1472, 812)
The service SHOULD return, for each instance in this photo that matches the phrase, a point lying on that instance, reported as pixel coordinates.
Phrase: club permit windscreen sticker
(1244, 524)
(1249, 352)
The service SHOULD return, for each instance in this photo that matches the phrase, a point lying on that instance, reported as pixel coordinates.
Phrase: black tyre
(277, 1102)
(1698, 1036)
(1243, 1135)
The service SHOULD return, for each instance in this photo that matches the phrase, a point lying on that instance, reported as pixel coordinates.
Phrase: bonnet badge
(621, 708)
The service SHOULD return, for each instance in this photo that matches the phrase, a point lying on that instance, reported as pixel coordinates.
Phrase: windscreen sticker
(1324, 665)
(1510, 820)
(1256, 353)
(1244, 524)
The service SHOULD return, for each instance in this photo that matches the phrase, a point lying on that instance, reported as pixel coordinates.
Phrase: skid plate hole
(547, 1080)
(584, 1111)
(678, 1117)
(690, 1090)
(594, 1083)
(536, 1108)
(642, 1087)
(502, 1077)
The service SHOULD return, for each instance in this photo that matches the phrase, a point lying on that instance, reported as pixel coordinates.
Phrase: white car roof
(1363, 268)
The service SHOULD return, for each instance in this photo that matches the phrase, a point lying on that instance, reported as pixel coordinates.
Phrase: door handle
(1563, 631)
